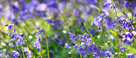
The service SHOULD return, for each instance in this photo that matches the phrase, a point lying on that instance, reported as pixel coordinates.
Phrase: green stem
(21, 44)
(80, 55)
(93, 41)
(46, 43)
(79, 48)
(103, 40)
(22, 51)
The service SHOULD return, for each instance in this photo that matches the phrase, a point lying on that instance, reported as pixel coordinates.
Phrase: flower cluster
(17, 38)
(86, 41)
(37, 42)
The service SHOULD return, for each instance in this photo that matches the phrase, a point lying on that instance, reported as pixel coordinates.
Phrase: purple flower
(123, 49)
(40, 30)
(84, 54)
(92, 32)
(10, 26)
(14, 30)
(39, 38)
(109, 54)
(83, 28)
(72, 36)
(27, 51)
(1, 54)
(130, 4)
(88, 42)
(81, 50)
(111, 37)
(81, 37)
(67, 45)
(41, 7)
(37, 45)
(130, 55)
(76, 46)
(15, 54)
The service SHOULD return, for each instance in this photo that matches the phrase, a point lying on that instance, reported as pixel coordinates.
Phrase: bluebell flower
(13, 35)
(15, 7)
(72, 36)
(134, 13)
(1, 54)
(130, 55)
(37, 45)
(95, 55)
(81, 37)
(76, 46)
(10, 26)
(97, 22)
(83, 28)
(41, 7)
(111, 37)
(110, 24)
(40, 30)
(126, 24)
(128, 37)
(39, 38)
(15, 54)
(81, 50)
(92, 32)
(88, 42)
(84, 54)
(91, 3)
(14, 30)
(109, 54)
(1, 8)
(27, 51)
(123, 49)
(50, 54)
(76, 12)
(67, 45)
(16, 37)
(130, 4)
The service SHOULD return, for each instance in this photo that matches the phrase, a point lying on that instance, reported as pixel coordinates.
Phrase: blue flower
(130, 55)
(81, 50)
(15, 54)
(37, 45)
(88, 42)
(109, 54)
(92, 32)
(1, 54)
(130, 4)
(68, 45)
(40, 30)
(10, 26)
(27, 51)
(111, 37)
(123, 49)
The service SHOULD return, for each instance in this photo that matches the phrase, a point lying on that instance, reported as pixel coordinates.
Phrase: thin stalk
(118, 24)
(22, 51)
(41, 48)
(21, 44)
(93, 41)
(80, 55)
(79, 48)
(103, 40)
(46, 43)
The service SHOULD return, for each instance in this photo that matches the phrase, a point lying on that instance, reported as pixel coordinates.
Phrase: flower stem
(80, 55)
(93, 41)
(22, 51)
(103, 40)
(79, 48)
(47, 43)
(21, 44)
